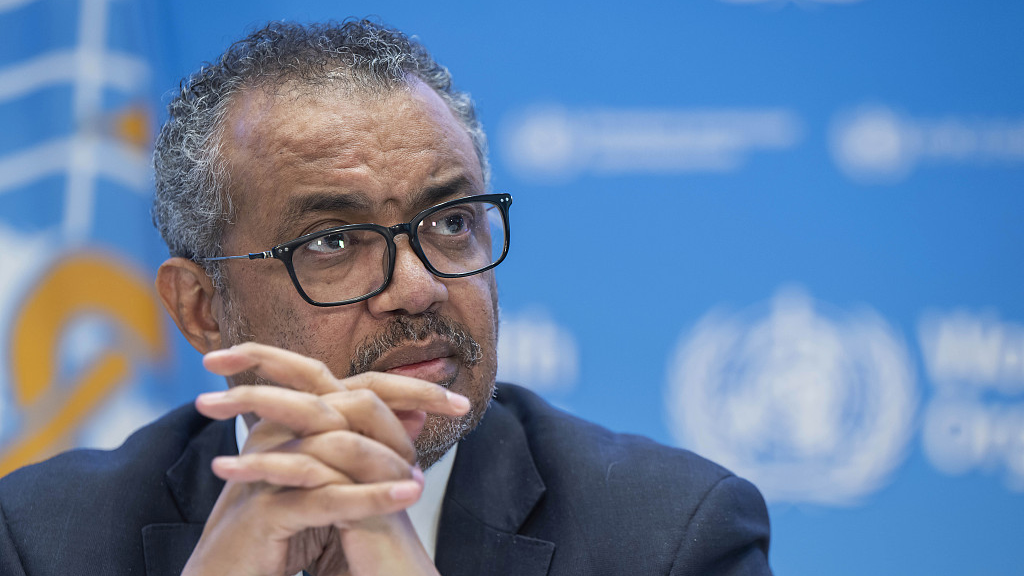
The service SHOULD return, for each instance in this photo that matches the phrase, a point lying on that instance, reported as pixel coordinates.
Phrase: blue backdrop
(786, 235)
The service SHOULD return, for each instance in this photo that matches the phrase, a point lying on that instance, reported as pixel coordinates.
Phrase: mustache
(402, 330)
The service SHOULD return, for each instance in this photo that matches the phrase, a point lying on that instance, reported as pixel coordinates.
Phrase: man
(364, 355)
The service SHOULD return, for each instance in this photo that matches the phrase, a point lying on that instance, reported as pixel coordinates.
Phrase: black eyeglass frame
(284, 251)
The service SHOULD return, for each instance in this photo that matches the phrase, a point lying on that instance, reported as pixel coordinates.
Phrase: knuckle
(333, 412)
(362, 380)
(332, 448)
(356, 449)
(333, 442)
(320, 405)
(365, 399)
(342, 422)
(306, 471)
(400, 469)
(264, 499)
(408, 453)
(329, 413)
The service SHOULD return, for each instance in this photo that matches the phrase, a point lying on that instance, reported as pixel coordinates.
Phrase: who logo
(81, 331)
(811, 404)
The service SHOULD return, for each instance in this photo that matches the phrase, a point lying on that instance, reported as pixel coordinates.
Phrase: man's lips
(434, 362)
(422, 370)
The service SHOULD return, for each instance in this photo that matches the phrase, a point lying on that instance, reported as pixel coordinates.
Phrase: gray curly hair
(190, 207)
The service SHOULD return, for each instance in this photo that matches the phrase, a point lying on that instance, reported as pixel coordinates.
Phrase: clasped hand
(324, 479)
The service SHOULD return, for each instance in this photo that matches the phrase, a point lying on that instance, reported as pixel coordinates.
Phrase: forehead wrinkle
(357, 138)
(394, 148)
(268, 136)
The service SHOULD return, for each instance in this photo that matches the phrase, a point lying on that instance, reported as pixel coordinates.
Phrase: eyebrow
(436, 194)
(296, 208)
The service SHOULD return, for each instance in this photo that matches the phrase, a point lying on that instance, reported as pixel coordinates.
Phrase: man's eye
(330, 244)
(451, 224)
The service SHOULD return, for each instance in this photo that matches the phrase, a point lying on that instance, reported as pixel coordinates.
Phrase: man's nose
(413, 289)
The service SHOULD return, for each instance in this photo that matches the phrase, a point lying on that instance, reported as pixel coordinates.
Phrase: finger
(368, 415)
(405, 393)
(339, 505)
(360, 458)
(300, 412)
(279, 469)
(285, 414)
(280, 366)
(413, 421)
(305, 374)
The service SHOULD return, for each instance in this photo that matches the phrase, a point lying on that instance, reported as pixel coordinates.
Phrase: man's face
(298, 163)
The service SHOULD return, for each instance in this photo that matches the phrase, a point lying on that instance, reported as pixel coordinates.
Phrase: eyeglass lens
(459, 239)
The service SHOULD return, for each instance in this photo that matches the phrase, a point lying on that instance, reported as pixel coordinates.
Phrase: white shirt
(425, 514)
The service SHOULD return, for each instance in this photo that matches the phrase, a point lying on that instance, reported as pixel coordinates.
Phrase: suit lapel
(492, 490)
(195, 490)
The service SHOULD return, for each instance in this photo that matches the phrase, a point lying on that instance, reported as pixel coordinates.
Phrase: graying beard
(439, 433)
(238, 330)
(403, 329)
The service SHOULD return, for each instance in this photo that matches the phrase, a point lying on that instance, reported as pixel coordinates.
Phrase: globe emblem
(873, 145)
(542, 143)
(811, 406)
(537, 352)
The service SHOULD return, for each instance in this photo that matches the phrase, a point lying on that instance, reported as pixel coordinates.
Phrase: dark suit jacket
(532, 492)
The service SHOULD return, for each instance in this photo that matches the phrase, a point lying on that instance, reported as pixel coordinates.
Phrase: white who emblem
(810, 407)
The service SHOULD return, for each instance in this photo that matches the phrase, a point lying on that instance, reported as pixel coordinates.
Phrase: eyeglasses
(351, 263)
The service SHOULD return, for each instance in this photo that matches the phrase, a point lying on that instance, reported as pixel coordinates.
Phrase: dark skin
(329, 469)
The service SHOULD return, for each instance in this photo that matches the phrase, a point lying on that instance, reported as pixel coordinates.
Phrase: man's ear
(192, 301)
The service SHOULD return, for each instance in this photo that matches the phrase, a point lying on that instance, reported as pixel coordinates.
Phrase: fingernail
(405, 490)
(226, 462)
(214, 357)
(417, 475)
(457, 400)
(213, 397)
